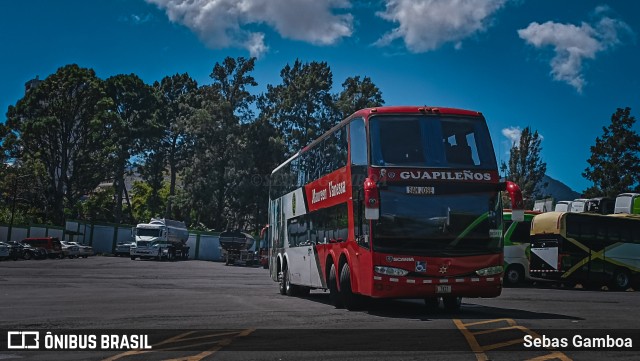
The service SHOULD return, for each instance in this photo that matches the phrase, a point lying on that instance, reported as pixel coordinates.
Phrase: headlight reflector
(390, 271)
(489, 271)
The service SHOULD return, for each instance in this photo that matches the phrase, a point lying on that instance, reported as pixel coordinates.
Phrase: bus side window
(358, 143)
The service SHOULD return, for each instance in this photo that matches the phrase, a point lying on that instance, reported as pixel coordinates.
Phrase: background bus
(563, 206)
(586, 248)
(393, 202)
(601, 205)
(517, 245)
(627, 203)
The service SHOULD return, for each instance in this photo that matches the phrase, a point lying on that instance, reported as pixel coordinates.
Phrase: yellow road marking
(471, 340)
(551, 356)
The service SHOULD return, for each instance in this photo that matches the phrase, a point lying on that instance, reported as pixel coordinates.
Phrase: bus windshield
(429, 141)
(148, 232)
(449, 224)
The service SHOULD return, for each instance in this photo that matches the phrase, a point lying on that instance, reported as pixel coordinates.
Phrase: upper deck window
(427, 141)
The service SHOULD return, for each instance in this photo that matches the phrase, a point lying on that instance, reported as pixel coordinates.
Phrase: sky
(559, 67)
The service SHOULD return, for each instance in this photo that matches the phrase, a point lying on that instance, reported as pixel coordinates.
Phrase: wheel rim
(622, 280)
(513, 276)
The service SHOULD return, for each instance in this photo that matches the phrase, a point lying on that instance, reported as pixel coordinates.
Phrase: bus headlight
(489, 271)
(390, 271)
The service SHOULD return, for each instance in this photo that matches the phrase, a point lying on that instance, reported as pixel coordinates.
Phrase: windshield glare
(428, 141)
(451, 223)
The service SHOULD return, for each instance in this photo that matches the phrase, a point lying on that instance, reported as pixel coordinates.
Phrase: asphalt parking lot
(234, 313)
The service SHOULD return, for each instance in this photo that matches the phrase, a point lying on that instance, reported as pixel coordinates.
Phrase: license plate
(419, 190)
(443, 289)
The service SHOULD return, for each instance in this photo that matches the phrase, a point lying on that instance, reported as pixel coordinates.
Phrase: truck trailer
(237, 247)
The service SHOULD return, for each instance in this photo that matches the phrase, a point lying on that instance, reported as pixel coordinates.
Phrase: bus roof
(416, 109)
(555, 222)
(547, 223)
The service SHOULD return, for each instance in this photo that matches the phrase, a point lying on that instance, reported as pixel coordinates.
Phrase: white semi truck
(160, 239)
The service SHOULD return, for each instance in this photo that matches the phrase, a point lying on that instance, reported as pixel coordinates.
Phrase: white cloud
(221, 23)
(425, 25)
(574, 44)
(513, 134)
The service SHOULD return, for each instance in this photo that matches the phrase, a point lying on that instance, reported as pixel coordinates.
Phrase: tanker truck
(236, 246)
(160, 239)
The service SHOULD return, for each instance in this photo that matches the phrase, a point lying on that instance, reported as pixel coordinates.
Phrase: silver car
(123, 249)
(84, 251)
(69, 250)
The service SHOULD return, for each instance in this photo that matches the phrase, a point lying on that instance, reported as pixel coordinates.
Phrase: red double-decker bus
(393, 202)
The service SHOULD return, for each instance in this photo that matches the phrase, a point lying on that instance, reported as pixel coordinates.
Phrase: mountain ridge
(558, 190)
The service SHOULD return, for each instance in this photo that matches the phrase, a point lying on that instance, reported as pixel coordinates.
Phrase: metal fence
(104, 237)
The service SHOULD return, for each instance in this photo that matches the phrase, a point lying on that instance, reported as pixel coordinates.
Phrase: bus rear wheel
(289, 289)
(351, 300)
(334, 293)
(282, 289)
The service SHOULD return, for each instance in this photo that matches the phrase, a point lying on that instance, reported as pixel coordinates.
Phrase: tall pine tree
(614, 165)
(526, 167)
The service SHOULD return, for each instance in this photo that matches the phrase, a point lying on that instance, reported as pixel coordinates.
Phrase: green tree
(525, 167)
(302, 107)
(131, 125)
(176, 94)
(146, 200)
(21, 191)
(219, 162)
(61, 125)
(614, 165)
(99, 205)
(267, 150)
(152, 170)
(357, 94)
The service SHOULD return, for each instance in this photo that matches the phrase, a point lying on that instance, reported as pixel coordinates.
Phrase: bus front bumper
(409, 287)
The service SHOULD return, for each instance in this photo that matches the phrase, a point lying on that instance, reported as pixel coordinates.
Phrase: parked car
(14, 250)
(69, 250)
(5, 251)
(51, 244)
(123, 249)
(84, 251)
(26, 251)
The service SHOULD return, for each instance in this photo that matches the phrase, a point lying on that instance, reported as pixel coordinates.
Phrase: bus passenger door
(362, 263)
(298, 252)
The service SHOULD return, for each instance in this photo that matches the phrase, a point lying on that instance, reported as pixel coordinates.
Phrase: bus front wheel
(432, 303)
(514, 275)
(452, 303)
(621, 279)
